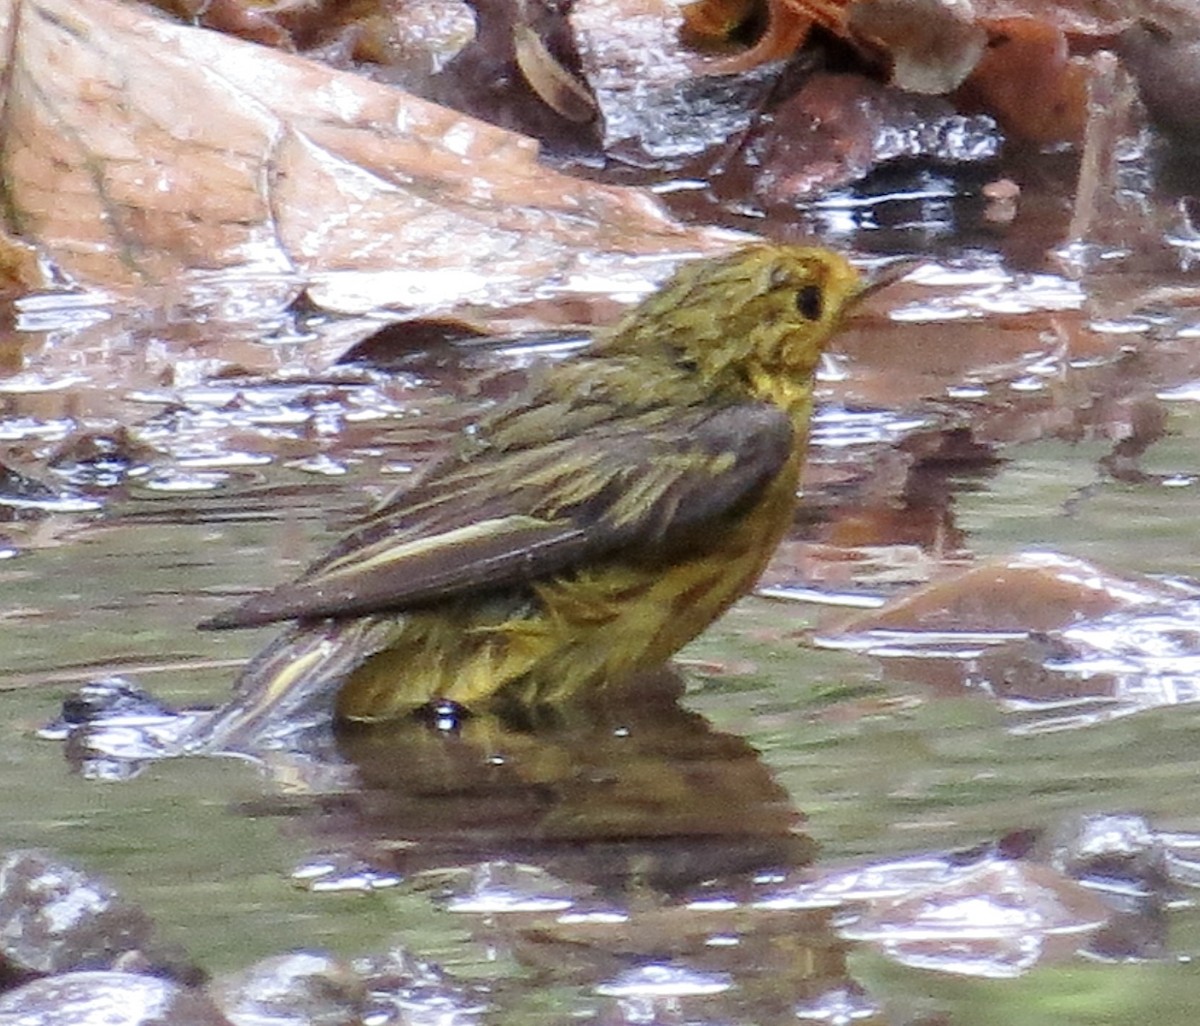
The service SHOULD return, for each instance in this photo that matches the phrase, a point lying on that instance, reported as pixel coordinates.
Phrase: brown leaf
(661, 102)
(1027, 79)
(20, 268)
(838, 127)
(1037, 591)
(247, 21)
(714, 22)
(1084, 17)
(138, 151)
(787, 26)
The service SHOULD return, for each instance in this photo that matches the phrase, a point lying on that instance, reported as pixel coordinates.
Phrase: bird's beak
(882, 277)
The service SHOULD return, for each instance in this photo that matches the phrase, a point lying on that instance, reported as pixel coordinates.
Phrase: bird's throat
(790, 393)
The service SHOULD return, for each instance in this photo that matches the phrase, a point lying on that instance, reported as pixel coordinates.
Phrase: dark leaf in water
(1167, 68)
(838, 128)
(394, 343)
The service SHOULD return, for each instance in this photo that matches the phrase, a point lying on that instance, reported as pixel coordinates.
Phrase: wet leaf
(1167, 66)
(1089, 17)
(840, 127)
(121, 998)
(295, 988)
(549, 79)
(1014, 59)
(713, 22)
(933, 45)
(258, 24)
(662, 103)
(393, 343)
(996, 919)
(788, 25)
(21, 269)
(139, 151)
(776, 28)
(1028, 79)
(56, 918)
(1028, 592)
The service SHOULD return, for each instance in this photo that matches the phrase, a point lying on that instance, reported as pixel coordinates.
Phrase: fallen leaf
(932, 44)
(1088, 17)
(661, 102)
(1029, 81)
(839, 127)
(1167, 67)
(21, 270)
(546, 75)
(137, 151)
(786, 24)
(1035, 591)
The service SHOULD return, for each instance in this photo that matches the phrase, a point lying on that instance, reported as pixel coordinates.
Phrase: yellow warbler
(588, 528)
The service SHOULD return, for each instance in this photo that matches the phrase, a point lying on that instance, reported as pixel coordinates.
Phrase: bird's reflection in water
(637, 792)
(616, 847)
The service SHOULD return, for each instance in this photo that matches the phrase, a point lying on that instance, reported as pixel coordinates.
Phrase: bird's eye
(810, 302)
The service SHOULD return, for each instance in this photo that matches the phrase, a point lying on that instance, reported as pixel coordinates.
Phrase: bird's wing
(512, 516)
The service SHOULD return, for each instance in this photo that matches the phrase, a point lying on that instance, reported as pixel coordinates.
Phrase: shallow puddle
(780, 832)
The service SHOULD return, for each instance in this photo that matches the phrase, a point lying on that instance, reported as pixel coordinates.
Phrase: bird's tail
(289, 689)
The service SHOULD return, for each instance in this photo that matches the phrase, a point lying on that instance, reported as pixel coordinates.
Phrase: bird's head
(752, 321)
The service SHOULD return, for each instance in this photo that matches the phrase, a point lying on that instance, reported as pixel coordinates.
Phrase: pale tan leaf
(932, 44)
(549, 79)
(139, 151)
